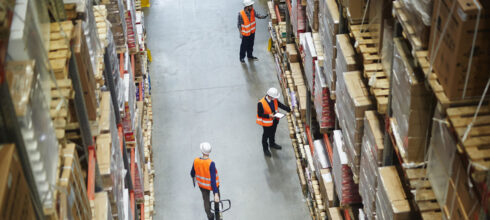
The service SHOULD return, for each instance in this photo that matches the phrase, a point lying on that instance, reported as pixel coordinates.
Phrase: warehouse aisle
(201, 92)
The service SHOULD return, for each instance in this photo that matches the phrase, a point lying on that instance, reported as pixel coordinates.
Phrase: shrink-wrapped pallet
(328, 27)
(346, 189)
(352, 101)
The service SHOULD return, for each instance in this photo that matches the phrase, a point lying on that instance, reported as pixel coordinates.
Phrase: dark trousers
(207, 202)
(269, 134)
(247, 46)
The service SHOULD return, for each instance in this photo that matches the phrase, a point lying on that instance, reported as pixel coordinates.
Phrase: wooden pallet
(475, 147)
(59, 48)
(74, 200)
(378, 81)
(409, 32)
(424, 197)
(422, 60)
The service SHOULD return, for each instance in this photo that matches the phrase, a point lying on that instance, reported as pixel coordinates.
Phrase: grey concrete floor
(201, 92)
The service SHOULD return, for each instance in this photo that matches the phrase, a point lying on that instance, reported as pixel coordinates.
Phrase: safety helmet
(205, 148)
(272, 92)
(247, 3)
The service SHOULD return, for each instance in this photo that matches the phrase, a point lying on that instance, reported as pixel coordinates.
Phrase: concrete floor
(201, 92)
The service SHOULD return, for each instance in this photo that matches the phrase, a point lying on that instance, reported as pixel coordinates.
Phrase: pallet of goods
(329, 28)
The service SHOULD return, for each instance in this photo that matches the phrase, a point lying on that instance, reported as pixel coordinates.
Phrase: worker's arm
(212, 171)
(260, 16)
(240, 22)
(260, 111)
(193, 172)
(284, 107)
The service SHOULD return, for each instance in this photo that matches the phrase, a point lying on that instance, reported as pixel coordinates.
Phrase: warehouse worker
(246, 26)
(266, 109)
(205, 173)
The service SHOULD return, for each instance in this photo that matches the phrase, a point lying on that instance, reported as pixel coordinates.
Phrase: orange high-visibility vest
(266, 122)
(248, 26)
(203, 175)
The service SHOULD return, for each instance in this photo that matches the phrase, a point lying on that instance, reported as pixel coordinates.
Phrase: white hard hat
(205, 148)
(248, 2)
(272, 92)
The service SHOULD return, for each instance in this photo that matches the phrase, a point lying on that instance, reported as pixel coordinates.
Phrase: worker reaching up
(246, 26)
(205, 173)
(268, 119)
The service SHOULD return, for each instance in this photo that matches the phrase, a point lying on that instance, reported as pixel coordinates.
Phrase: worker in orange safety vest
(204, 172)
(246, 26)
(267, 118)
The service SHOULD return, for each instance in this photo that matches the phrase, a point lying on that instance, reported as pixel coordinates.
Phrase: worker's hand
(271, 115)
(216, 197)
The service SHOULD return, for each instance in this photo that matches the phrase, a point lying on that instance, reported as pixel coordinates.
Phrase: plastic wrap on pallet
(309, 59)
(346, 189)
(90, 30)
(411, 105)
(421, 9)
(370, 158)
(114, 63)
(323, 103)
(36, 127)
(329, 22)
(350, 108)
(320, 154)
(131, 31)
(442, 151)
(298, 17)
(115, 10)
(129, 107)
(29, 38)
(312, 13)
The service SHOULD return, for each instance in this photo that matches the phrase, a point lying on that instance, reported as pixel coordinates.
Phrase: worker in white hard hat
(246, 27)
(267, 118)
(204, 172)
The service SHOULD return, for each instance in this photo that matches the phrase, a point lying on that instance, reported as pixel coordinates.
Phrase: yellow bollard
(145, 3)
(148, 53)
(269, 47)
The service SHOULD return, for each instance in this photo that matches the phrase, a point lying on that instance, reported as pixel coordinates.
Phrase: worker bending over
(266, 110)
(205, 173)
(246, 26)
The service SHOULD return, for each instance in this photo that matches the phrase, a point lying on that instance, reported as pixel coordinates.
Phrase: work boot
(267, 153)
(242, 61)
(276, 146)
(253, 58)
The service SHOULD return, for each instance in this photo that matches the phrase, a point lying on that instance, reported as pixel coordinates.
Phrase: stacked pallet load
(391, 200)
(312, 10)
(460, 69)
(346, 60)
(415, 17)
(350, 108)
(323, 173)
(323, 104)
(345, 187)
(100, 12)
(298, 17)
(318, 208)
(411, 107)
(13, 186)
(356, 11)
(329, 28)
(371, 156)
(115, 15)
(309, 56)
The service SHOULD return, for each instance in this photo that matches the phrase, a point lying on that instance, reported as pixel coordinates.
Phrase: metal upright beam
(109, 81)
(289, 31)
(81, 111)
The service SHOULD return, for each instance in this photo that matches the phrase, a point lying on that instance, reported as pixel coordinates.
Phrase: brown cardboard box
(355, 11)
(15, 199)
(451, 61)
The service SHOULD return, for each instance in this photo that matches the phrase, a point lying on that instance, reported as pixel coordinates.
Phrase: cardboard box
(391, 196)
(355, 10)
(452, 59)
(15, 198)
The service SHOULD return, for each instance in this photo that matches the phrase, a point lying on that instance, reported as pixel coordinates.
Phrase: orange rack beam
(328, 147)
(288, 2)
(276, 8)
(310, 141)
(91, 173)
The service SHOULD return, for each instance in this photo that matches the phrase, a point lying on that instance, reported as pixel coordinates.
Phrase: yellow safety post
(269, 47)
(148, 53)
(145, 3)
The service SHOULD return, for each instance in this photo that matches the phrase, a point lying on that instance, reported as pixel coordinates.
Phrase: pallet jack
(219, 208)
